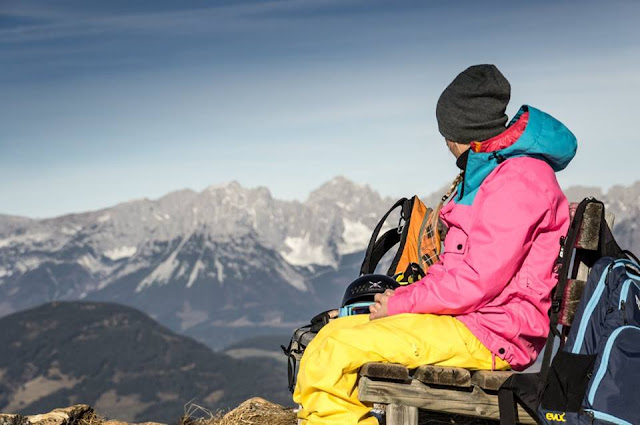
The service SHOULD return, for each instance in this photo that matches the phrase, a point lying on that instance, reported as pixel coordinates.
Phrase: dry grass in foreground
(255, 411)
(258, 411)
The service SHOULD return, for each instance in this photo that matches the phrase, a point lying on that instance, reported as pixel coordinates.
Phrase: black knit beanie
(472, 108)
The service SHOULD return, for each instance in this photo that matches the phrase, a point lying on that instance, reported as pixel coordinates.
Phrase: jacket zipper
(624, 295)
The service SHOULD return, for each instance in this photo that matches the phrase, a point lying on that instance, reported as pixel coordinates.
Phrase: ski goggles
(355, 308)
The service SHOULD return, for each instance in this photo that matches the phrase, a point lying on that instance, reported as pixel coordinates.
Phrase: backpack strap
(319, 320)
(403, 231)
(378, 247)
(631, 256)
(520, 389)
(383, 245)
(562, 263)
(507, 406)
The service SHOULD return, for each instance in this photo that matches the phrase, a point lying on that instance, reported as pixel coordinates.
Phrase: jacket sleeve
(508, 212)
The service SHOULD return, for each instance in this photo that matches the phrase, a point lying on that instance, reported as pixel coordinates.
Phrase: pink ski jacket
(505, 223)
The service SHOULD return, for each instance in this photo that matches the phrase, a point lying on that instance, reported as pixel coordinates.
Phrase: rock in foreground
(255, 411)
(80, 414)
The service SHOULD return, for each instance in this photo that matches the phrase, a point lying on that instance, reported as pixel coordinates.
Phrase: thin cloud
(41, 24)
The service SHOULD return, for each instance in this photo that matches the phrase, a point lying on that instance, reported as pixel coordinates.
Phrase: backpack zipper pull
(590, 414)
(623, 307)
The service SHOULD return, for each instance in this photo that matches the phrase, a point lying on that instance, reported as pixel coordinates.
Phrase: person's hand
(379, 308)
(333, 314)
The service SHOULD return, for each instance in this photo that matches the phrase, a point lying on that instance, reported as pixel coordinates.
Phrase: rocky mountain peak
(343, 193)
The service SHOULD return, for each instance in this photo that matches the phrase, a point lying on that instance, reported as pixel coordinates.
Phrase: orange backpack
(420, 244)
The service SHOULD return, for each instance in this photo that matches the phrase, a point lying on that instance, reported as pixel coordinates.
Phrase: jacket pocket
(455, 242)
(613, 387)
(536, 286)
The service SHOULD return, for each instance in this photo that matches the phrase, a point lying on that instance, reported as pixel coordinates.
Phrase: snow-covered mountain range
(224, 257)
(221, 264)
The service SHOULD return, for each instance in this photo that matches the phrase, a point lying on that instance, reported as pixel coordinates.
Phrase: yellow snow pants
(326, 387)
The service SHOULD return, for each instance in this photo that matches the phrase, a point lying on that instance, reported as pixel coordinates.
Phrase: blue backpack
(595, 379)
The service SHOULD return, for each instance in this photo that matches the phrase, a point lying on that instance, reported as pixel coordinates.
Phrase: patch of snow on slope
(355, 237)
(128, 268)
(190, 317)
(103, 218)
(302, 253)
(292, 277)
(194, 272)
(161, 217)
(183, 269)
(90, 263)
(219, 270)
(272, 318)
(250, 353)
(69, 231)
(25, 239)
(238, 323)
(28, 263)
(120, 253)
(4, 272)
(162, 273)
(165, 270)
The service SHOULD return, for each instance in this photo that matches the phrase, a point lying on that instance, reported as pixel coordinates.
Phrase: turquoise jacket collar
(544, 138)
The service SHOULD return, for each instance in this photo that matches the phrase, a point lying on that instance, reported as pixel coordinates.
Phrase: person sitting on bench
(485, 304)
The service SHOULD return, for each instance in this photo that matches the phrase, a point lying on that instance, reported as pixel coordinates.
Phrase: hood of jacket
(543, 138)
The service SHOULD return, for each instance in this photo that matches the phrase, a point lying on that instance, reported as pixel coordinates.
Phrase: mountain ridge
(122, 362)
(226, 260)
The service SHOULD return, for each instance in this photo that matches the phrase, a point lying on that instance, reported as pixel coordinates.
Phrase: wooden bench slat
(472, 403)
(570, 300)
(490, 380)
(449, 376)
(391, 371)
(589, 233)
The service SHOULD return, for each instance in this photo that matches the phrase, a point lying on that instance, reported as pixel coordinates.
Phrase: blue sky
(104, 102)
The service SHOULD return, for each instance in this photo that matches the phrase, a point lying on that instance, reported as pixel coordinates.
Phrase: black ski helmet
(366, 287)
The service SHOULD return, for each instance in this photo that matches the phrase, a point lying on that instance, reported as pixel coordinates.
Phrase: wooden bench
(466, 392)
